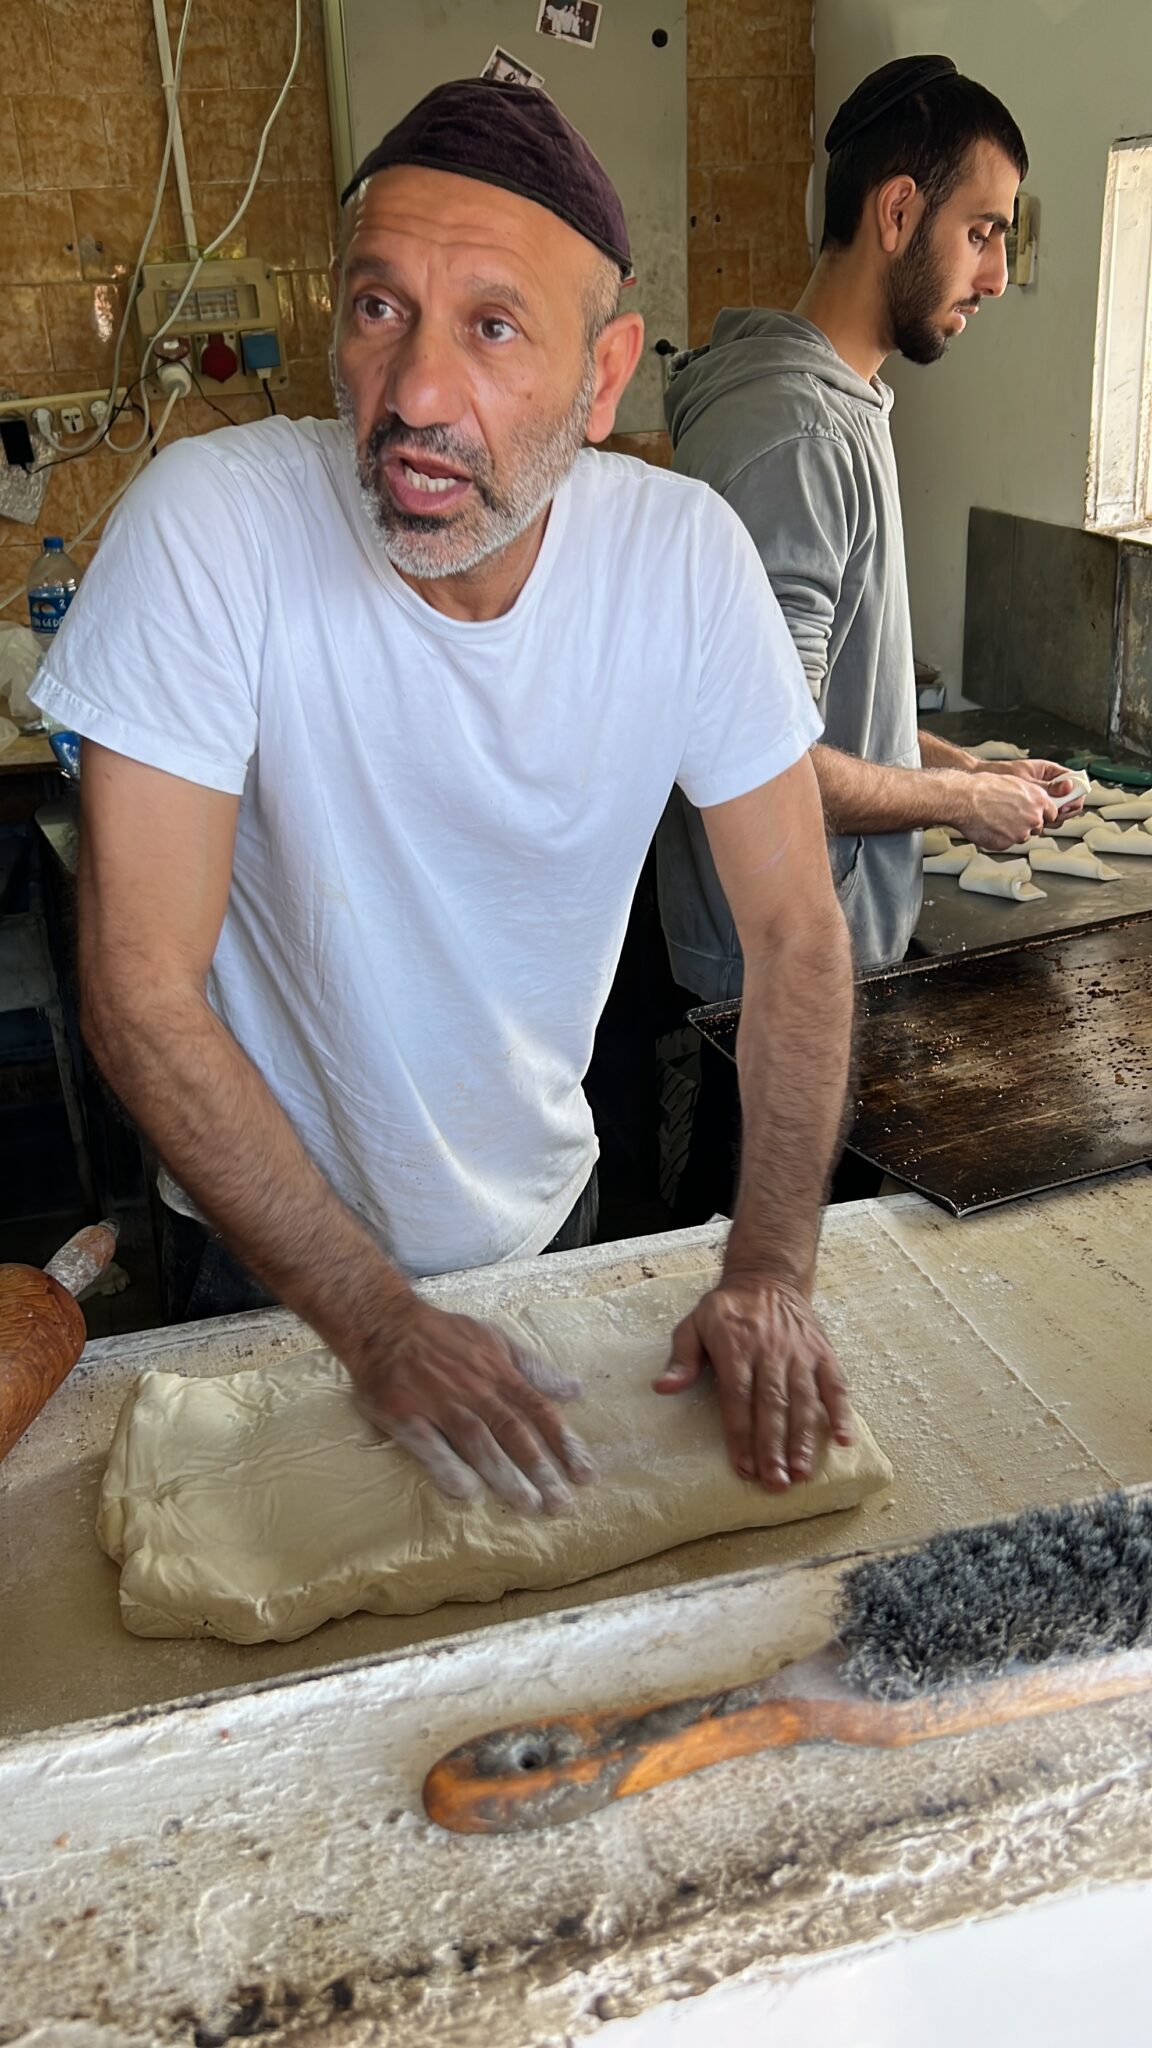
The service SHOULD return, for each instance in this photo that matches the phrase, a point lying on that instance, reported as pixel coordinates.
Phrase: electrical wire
(211, 401)
(127, 404)
(268, 394)
(129, 299)
(10, 596)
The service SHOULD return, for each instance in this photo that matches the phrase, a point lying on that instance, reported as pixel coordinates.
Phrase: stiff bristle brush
(976, 1628)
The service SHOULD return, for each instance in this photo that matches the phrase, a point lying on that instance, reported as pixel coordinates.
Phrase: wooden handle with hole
(42, 1330)
(545, 1772)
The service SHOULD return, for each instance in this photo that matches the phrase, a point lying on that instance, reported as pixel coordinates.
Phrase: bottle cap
(53, 540)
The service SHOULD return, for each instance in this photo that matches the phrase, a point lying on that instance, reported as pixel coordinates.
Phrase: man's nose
(424, 385)
(992, 276)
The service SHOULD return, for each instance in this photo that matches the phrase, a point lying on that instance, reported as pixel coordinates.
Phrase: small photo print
(570, 21)
(509, 70)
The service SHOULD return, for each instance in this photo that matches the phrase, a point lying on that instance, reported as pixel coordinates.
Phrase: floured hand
(473, 1409)
(777, 1377)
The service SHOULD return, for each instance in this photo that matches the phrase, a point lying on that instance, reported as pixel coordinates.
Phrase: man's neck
(842, 299)
(492, 587)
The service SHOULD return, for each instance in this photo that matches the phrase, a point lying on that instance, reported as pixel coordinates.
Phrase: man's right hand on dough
(1000, 810)
(472, 1409)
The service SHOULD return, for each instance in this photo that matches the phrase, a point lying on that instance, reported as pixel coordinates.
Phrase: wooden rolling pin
(42, 1331)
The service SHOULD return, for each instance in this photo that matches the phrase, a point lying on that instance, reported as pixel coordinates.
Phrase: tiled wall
(81, 134)
(749, 155)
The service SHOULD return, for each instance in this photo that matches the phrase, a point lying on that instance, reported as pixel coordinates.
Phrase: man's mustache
(440, 443)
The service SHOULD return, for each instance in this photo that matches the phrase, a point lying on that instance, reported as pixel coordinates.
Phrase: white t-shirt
(442, 822)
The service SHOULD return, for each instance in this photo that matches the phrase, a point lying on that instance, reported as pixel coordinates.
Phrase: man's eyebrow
(996, 220)
(379, 268)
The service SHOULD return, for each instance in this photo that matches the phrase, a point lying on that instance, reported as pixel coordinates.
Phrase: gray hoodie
(801, 447)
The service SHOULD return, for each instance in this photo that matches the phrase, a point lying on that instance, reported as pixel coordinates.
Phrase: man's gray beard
(495, 516)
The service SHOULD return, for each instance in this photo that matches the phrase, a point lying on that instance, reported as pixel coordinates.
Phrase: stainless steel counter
(953, 921)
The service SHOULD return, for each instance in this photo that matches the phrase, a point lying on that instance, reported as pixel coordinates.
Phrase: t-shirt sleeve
(798, 501)
(159, 655)
(754, 711)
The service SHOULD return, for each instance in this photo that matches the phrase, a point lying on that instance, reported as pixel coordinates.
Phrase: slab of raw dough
(260, 1505)
(1139, 807)
(937, 840)
(999, 750)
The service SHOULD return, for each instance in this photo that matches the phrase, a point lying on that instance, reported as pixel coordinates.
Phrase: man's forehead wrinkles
(476, 264)
(370, 264)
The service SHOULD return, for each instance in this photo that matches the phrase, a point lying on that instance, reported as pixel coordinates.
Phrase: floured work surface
(1000, 1360)
(262, 1505)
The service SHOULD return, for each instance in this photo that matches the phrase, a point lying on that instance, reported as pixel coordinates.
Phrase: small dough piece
(1010, 878)
(1138, 807)
(998, 750)
(1098, 794)
(1081, 783)
(1113, 839)
(1076, 861)
(937, 839)
(260, 1504)
(956, 858)
(1077, 827)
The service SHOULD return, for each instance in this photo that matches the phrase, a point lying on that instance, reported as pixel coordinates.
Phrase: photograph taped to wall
(510, 70)
(570, 21)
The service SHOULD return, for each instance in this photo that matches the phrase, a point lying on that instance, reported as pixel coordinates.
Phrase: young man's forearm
(938, 753)
(793, 1060)
(861, 796)
(224, 1137)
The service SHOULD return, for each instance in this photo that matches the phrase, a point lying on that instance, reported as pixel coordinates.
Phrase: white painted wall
(1003, 420)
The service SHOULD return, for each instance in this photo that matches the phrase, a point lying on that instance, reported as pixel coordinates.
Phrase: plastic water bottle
(52, 583)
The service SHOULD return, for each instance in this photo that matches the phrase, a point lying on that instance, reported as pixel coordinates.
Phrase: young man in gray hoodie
(786, 416)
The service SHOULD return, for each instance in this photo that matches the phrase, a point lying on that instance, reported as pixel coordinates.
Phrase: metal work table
(952, 921)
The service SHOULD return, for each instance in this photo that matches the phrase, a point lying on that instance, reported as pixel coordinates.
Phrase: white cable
(179, 160)
(158, 201)
(10, 596)
(242, 209)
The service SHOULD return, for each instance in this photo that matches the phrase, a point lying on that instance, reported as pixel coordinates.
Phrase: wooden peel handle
(539, 1775)
(42, 1330)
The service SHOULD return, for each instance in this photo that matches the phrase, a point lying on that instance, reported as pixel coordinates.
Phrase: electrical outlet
(72, 419)
(42, 420)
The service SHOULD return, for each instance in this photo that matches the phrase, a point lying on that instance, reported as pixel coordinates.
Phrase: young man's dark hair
(917, 118)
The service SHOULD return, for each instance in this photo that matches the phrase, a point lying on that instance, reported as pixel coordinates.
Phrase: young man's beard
(502, 504)
(915, 290)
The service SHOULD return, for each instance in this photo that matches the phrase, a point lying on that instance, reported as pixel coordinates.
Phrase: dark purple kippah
(514, 136)
(881, 91)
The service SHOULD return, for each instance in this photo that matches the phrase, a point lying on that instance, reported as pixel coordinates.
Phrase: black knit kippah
(881, 91)
(516, 137)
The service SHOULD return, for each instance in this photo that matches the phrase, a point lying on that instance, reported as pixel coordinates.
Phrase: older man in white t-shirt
(381, 714)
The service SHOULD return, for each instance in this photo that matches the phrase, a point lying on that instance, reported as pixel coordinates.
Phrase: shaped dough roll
(1077, 827)
(1110, 840)
(1098, 794)
(937, 839)
(1081, 784)
(1139, 807)
(956, 858)
(1076, 861)
(1009, 878)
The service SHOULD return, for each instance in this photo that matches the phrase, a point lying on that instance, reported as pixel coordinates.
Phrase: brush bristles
(1053, 1582)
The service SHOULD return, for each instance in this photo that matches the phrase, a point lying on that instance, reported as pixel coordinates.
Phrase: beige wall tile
(718, 122)
(300, 144)
(751, 39)
(701, 38)
(716, 278)
(214, 207)
(701, 213)
(25, 63)
(82, 325)
(222, 132)
(96, 43)
(293, 226)
(312, 313)
(654, 448)
(752, 204)
(62, 144)
(260, 43)
(11, 168)
(24, 345)
(309, 393)
(780, 121)
(110, 224)
(94, 479)
(17, 560)
(135, 125)
(38, 239)
(206, 48)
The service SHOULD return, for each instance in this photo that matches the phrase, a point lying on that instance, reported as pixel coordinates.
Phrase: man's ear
(618, 350)
(898, 205)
